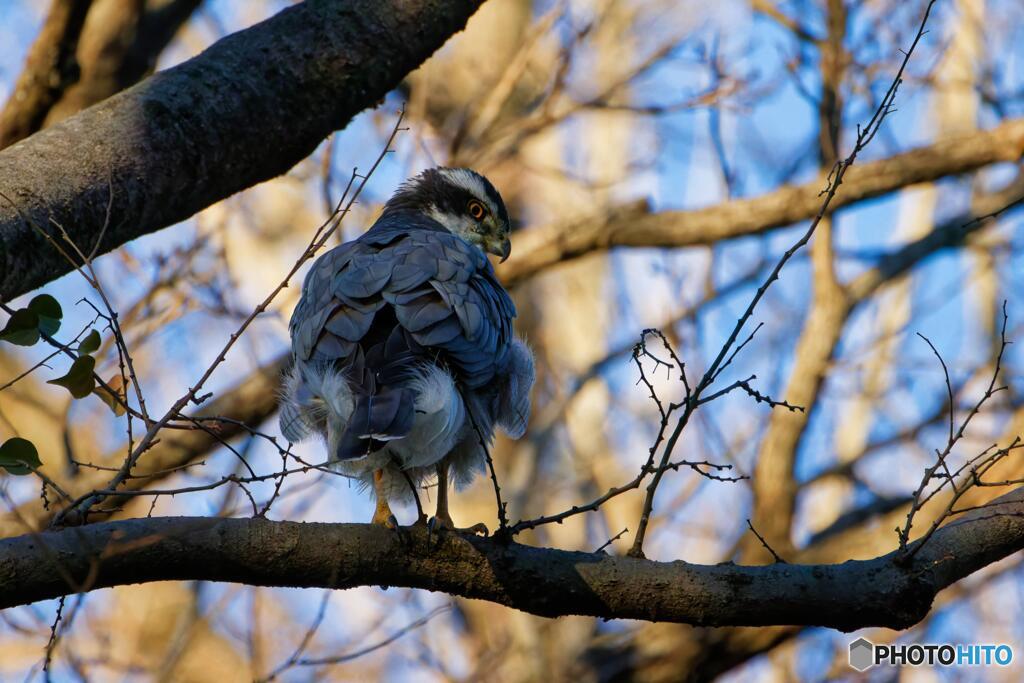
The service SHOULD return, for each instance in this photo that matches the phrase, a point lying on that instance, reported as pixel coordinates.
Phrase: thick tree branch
(244, 111)
(634, 225)
(120, 45)
(542, 581)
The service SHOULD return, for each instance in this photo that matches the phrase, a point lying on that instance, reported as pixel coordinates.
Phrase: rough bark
(244, 111)
(86, 52)
(120, 45)
(542, 581)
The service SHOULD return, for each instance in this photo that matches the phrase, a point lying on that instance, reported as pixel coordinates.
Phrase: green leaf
(90, 343)
(49, 312)
(79, 380)
(17, 454)
(43, 314)
(22, 328)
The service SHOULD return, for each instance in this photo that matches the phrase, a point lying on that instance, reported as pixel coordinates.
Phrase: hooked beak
(496, 240)
(500, 246)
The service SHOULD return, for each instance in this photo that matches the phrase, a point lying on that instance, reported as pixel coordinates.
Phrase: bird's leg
(382, 515)
(441, 517)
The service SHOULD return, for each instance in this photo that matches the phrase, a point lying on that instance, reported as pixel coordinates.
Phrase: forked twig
(835, 179)
(967, 476)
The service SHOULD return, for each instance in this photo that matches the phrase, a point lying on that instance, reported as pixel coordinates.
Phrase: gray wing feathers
(428, 276)
(349, 323)
(440, 333)
(422, 312)
(363, 278)
(450, 310)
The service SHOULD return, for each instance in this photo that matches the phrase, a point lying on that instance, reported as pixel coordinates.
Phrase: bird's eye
(476, 209)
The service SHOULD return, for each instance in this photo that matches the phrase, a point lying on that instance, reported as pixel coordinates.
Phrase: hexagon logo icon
(862, 654)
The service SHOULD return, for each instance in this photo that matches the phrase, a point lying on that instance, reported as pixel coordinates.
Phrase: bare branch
(635, 225)
(765, 543)
(196, 133)
(49, 69)
(542, 581)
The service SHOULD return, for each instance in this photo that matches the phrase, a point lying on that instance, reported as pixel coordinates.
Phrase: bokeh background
(583, 113)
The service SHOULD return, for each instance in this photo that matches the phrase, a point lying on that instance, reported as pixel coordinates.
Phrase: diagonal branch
(109, 61)
(50, 68)
(635, 225)
(246, 110)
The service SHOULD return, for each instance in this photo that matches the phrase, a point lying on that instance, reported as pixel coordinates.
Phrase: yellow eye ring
(476, 209)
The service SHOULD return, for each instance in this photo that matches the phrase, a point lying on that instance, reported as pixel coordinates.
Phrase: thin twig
(767, 547)
(300, 649)
(51, 644)
(611, 540)
(970, 473)
(726, 354)
(503, 527)
(324, 661)
(76, 512)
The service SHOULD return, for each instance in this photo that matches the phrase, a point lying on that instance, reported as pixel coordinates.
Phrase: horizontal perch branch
(542, 581)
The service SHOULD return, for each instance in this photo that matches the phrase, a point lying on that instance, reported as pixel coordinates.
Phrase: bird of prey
(404, 355)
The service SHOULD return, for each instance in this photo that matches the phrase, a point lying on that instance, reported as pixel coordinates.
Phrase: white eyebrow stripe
(471, 183)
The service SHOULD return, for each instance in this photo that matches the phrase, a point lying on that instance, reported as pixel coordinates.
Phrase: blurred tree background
(657, 158)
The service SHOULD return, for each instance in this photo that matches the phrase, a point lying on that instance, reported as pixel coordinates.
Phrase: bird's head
(461, 200)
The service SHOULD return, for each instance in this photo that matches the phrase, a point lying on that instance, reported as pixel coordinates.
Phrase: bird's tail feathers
(377, 417)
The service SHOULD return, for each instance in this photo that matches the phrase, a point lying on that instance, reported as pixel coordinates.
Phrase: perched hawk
(404, 355)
